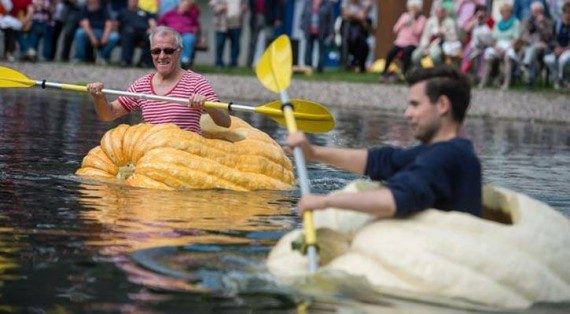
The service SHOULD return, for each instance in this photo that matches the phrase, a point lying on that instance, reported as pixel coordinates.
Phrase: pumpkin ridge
(158, 171)
(96, 158)
(170, 156)
(131, 137)
(111, 140)
(90, 172)
(274, 153)
(146, 142)
(140, 180)
(225, 173)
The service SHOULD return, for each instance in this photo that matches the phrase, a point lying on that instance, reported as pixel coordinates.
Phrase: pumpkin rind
(165, 157)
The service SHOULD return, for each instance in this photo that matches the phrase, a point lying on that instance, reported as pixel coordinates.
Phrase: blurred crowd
(91, 29)
(527, 41)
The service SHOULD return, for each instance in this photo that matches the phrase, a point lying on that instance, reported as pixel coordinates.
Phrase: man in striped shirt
(168, 80)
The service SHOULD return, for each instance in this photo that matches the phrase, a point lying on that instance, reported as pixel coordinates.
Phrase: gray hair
(418, 3)
(537, 5)
(164, 31)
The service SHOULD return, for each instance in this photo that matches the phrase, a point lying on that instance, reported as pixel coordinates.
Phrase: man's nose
(407, 112)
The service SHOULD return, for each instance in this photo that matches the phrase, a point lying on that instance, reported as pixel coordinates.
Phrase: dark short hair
(566, 6)
(444, 81)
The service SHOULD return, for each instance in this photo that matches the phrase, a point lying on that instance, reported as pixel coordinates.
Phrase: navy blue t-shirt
(96, 18)
(445, 175)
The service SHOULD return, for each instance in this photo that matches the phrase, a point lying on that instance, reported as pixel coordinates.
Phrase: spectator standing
(506, 34)
(41, 30)
(555, 8)
(228, 21)
(439, 39)
(10, 26)
(185, 20)
(559, 60)
(22, 11)
(264, 16)
(408, 30)
(356, 26)
(58, 22)
(317, 24)
(135, 25)
(537, 34)
(521, 8)
(479, 30)
(95, 31)
(71, 15)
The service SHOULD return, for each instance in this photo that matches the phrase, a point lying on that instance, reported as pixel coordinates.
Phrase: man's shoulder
(193, 77)
(144, 81)
(456, 149)
(457, 144)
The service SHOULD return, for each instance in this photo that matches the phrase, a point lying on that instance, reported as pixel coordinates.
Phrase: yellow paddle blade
(310, 116)
(13, 78)
(275, 66)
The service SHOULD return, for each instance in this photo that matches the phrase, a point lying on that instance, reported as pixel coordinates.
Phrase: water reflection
(133, 219)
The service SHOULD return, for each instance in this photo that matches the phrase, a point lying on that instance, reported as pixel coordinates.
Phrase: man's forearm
(378, 203)
(353, 160)
(104, 110)
(220, 117)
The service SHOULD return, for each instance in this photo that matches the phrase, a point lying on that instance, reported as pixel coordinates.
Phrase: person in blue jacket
(442, 172)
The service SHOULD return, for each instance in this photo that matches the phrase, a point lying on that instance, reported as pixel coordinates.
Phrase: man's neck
(446, 133)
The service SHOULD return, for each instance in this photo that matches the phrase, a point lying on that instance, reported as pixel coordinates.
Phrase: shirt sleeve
(129, 103)
(384, 162)
(203, 87)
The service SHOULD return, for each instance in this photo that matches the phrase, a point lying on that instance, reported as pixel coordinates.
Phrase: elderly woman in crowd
(507, 47)
(537, 35)
(408, 30)
(439, 39)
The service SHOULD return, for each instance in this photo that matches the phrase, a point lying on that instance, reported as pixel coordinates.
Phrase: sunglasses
(167, 51)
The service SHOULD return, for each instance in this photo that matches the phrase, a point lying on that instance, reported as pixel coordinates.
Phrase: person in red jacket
(184, 19)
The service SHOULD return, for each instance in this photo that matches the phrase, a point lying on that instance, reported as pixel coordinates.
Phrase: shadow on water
(74, 245)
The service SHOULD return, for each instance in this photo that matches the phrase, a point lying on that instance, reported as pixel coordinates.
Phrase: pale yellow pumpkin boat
(517, 256)
(240, 158)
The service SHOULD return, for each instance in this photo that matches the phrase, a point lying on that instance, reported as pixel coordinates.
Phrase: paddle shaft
(177, 100)
(308, 224)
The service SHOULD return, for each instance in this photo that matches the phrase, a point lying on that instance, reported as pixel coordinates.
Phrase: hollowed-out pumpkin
(165, 157)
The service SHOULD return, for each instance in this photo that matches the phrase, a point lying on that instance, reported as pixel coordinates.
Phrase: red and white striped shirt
(157, 112)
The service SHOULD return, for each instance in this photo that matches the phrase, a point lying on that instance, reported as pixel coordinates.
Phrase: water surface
(77, 245)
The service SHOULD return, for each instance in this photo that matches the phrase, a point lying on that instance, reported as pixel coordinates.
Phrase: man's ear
(443, 105)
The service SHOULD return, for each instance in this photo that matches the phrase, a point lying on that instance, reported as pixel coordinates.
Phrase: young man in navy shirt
(442, 172)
